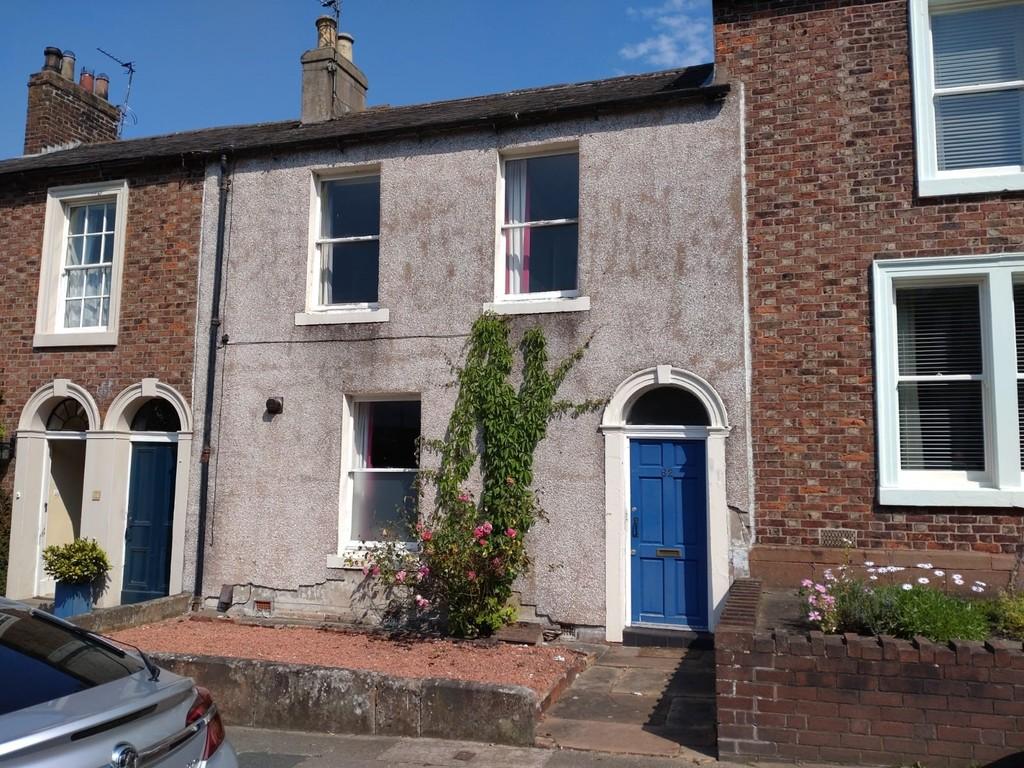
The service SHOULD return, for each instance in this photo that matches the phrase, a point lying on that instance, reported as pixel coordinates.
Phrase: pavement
(643, 701)
(287, 749)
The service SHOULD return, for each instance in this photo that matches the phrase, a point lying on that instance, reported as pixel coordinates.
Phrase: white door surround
(617, 434)
(105, 492)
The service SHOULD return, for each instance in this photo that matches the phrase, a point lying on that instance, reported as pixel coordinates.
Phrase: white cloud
(680, 36)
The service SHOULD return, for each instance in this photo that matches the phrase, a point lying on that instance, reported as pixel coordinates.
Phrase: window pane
(76, 283)
(979, 46)
(94, 216)
(350, 272)
(73, 313)
(93, 249)
(391, 429)
(91, 312)
(105, 312)
(76, 225)
(542, 188)
(541, 258)
(979, 130)
(382, 500)
(941, 426)
(76, 246)
(938, 330)
(94, 282)
(351, 207)
(108, 249)
(109, 217)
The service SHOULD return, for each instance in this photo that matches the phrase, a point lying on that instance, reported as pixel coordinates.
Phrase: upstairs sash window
(88, 266)
(349, 241)
(968, 69)
(540, 232)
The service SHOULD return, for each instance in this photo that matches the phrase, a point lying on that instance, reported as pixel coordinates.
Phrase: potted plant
(76, 566)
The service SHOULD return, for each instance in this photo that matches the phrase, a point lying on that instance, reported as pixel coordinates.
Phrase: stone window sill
(342, 317)
(538, 306)
(76, 339)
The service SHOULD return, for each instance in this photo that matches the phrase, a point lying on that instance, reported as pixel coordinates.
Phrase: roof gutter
(223, 189)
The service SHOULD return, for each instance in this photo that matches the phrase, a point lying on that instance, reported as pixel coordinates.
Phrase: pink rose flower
(375, 570)
(510, 532)
(464, 497)
(422, 603)
(426, 535)
(478, 532)
(422, 573)
(400, 576)
(471, 575)
(487, 528)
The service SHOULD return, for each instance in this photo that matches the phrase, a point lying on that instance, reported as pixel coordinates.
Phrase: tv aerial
(129, 67)
(334, 6)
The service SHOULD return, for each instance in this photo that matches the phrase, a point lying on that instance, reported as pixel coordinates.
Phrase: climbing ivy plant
(472, 549)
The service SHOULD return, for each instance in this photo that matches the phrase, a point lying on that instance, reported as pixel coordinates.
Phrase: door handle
(635, 520)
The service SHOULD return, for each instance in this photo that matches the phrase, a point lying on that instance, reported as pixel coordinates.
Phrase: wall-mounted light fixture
(275, 405)
(6, 450)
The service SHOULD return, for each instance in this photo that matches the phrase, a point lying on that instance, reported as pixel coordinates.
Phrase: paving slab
(616, 738)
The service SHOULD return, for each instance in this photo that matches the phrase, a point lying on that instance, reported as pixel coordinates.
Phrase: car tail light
(203, 706)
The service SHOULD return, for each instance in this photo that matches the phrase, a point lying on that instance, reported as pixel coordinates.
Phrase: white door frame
(45, 585)
(617, 434)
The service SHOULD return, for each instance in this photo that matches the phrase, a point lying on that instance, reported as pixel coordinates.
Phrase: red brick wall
(158, 300)
(830, 181)
(59, 112)
(864, 700)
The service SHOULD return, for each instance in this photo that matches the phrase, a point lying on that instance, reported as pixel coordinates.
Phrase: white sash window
(949, 360)
(968, 95)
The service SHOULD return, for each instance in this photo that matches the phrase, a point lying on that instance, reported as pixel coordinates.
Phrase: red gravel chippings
(539, 668)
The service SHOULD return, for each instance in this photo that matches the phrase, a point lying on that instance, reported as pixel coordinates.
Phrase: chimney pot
(67, 66)
(326, 32)
(51, 59)
(345, 41)
(102, 88)
(86, 80)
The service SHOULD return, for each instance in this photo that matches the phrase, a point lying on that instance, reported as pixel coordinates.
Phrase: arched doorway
(49, 481)
(667, 522)
(151, 491)
(150, 425)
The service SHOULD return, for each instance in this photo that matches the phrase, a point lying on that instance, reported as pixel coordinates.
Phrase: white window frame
(541, 301)
(930, 180)
(316, 312)
(347, 547)
(1001, 483)
(49, 330)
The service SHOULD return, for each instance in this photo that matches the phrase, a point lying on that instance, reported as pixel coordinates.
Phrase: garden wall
(862, 700)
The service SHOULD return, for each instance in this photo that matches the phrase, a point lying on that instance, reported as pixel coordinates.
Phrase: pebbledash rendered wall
(661, 261)
(831, 188)
(788, 695)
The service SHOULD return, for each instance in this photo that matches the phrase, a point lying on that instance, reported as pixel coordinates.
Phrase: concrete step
(667, 638)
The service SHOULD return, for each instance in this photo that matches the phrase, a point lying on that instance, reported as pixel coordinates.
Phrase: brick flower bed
(863, 700)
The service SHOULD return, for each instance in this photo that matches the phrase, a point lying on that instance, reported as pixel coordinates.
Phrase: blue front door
(147, 537)
(668, 532)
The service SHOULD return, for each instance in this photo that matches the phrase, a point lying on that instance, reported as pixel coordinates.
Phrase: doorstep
(660, 637)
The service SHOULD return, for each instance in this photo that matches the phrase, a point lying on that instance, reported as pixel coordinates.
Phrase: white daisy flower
(925, 566)
(940, 573)
(922, 580)
(907, 587)
(869, 562)
(976, 588)
(981, 583)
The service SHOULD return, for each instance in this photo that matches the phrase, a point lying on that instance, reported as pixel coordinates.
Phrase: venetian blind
(1018, 317)
(980, 47)
(941, 414)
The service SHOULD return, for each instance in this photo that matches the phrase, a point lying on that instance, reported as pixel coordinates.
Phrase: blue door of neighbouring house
(668, 532)
(147, 538)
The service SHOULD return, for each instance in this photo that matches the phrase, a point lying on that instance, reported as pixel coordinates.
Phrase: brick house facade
(145, 352)
(830, 176)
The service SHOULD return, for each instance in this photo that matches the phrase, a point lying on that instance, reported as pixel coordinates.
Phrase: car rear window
(40, 660)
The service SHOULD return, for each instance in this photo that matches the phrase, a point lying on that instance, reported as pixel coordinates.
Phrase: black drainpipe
(211, 373)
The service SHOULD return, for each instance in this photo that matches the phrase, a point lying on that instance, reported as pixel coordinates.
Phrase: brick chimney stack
(332, 85)
(62, 112)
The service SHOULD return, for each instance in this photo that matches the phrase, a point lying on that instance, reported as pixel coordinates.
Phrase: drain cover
(465, 755)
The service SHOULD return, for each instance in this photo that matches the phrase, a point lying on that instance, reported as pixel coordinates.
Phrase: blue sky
(218, 62)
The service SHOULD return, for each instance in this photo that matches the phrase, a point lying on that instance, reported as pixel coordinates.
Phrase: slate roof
(503, 109)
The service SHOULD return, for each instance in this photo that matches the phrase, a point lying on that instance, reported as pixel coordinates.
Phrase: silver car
(70, 699)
